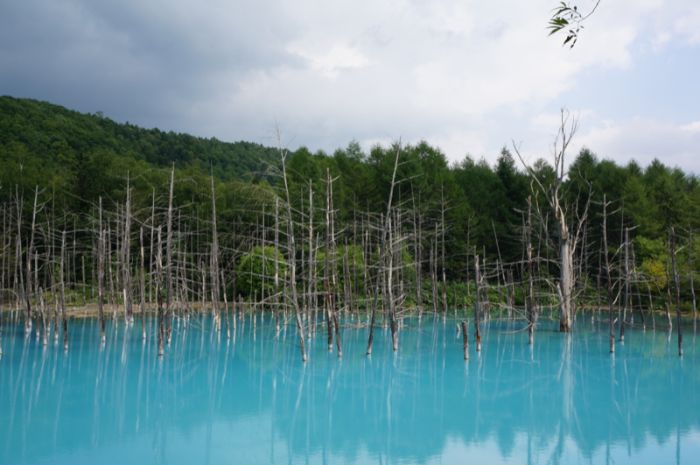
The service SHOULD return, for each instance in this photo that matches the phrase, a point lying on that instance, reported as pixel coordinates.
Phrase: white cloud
(467, 76)
(643, 140)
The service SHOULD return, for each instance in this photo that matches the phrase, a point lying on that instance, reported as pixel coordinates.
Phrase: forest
(119, 220)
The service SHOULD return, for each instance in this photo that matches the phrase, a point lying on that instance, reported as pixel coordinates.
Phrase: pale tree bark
(169, 257)
(214, 265)
(477, 304)
(142, 285)
(691, 272)
(608, 275)
(126, 246)
(676, 289)
(62, 297)
(568, 237)
(291, 247)
(382, 253)
(101, 274)
(530, 299)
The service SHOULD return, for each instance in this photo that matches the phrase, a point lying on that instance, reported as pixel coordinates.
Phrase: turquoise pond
(250, 400)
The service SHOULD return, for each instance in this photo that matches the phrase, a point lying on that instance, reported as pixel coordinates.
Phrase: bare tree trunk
(101, 275)
(390, 290)
(142, 285)
(44, 329)
(214, 270)
(691, 272)
(608, 276)
(567, 239)
(126, 248)
(677, 289)
(433, 270)
(151, 258)
(627, 285)
(477, 304)
(276, 281)
(382, 252)
(417, 252)
(311, 297)
(30, 253)
(330, 274)
(443, 227)
(169, 257)
(566, 283)
(159, 293)
(292, 259)
(530, 299)
(465, 340)
(62, 280)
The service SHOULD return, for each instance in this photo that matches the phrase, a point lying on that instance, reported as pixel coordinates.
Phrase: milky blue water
(250, 400)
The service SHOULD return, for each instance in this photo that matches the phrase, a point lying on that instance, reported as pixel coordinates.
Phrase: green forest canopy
(74, 158)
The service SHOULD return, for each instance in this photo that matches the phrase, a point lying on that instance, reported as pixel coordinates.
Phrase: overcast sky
(468, 76)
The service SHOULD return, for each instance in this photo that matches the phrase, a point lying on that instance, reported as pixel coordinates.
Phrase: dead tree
(382, 253)
(477, 304)
(30, 251)
(214, 265)
(291, 249)
(159, 293)
(691, 273)
(676, 288)
(142, 284)
(101, 273)
(465, 340)
(62, 285)
(568, 235)
(530, 299)
(628, 279)
(169, 256)
(611, 298)
(418, 253)
(126, 246)
(443, 227)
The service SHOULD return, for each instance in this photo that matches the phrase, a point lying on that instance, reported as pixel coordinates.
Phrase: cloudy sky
(469, 76)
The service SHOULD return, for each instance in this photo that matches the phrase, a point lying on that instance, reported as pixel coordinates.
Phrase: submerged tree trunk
(465, 340)
(382, 253)
(691, 273)
(477, 304)
(142, 285)
(292, 260)
(608, 276)
(530, 298)
(159, 293)
(126, 246)
(101, 274)
(62, 280)
(676, 289)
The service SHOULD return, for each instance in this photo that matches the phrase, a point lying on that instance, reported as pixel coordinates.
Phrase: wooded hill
(448, 213)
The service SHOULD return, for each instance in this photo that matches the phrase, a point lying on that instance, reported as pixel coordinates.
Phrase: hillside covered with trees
(66, 171)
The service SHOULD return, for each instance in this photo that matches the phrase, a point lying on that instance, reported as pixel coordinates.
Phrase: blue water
(250, 400)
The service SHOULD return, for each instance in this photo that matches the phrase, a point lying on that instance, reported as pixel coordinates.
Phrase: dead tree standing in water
(382, 253)
(530, 299)
(477, 304)
(169, 257)
(291, 248)
(101, 273)
(608, 275)
(568, 238)
(62, 279)
(215, 284)
(676, 288)
(126, 246)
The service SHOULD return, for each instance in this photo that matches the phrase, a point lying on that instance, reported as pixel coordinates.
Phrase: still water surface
(250, 400)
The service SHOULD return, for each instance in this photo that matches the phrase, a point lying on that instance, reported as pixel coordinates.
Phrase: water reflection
(248, 399)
